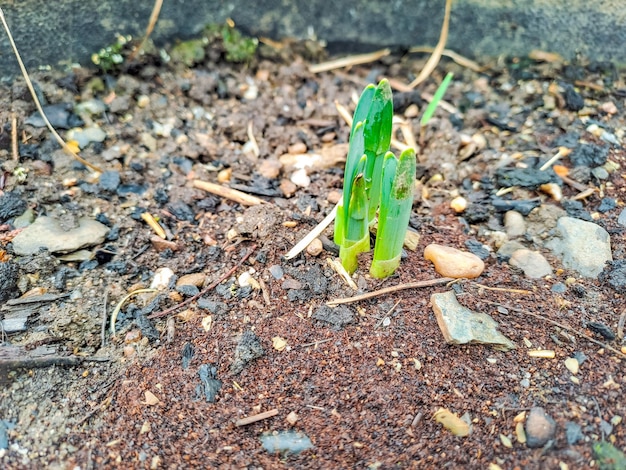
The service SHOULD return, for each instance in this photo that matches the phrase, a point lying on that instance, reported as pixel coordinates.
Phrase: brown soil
(363, 391)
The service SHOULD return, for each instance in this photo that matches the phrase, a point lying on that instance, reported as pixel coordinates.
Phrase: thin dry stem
(390, 290)
(349, 61)
(458, 58)
(29, 84)
(228, 193)
(154, 16)
(439, 48)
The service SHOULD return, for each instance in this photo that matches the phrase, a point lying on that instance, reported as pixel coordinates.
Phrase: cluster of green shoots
(110, 57)
(377, 183)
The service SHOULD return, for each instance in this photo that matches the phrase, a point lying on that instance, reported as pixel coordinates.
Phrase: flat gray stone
(47, 233)
(582, 246)
(460, 325)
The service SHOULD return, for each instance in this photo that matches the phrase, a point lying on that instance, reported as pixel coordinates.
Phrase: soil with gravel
(363, 381)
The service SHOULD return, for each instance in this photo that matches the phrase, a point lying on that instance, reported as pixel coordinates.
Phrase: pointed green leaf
(441, 90)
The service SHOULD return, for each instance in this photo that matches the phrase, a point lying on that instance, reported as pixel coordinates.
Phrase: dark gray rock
(337, 317)
(248, 349)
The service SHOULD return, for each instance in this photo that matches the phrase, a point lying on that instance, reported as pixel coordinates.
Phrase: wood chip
(255, 418)
(542, 353)
(228, 193)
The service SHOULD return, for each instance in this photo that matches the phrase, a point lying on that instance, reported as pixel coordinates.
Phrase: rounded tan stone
(450, 262)
(315, 247)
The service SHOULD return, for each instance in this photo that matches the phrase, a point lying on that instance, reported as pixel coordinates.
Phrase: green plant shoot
(374, 178)
(398, 181)
(441, 90)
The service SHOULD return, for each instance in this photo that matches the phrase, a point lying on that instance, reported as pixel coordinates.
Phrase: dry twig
(228, 193)
(390, 290)
(154, 16)
(255, 418)
(29, 84)
(437, 52)
(349, 61)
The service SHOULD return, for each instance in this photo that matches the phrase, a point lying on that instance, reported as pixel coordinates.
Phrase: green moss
(237, 47)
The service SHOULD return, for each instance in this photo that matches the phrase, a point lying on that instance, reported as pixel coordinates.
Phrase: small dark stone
(9, 274)
(580, 357)
(477, 248)
(476, 213)
(161, 197)
(188, 353)
(530, 178)
(136, 213)
(579, 290)
(569, 140)
(60, 116)
(213, 306)
(337, 317)
(181, 211)
(88, 265)
(573, 432)
(209, 384)
(573, 100)
(184, 164)
(614, 274)
(11, 205)
(124, 189)
(524, 206)
(559, 288)
(103, 219)
(576, 209)
(109, 180)
(248, 349)
(114, 233)
(225, 289)
(601, 329)
(145, 325)
(62, 275)
(589, 155)
(607, 204)
(209, 204)
(188, 290)
(276, 271)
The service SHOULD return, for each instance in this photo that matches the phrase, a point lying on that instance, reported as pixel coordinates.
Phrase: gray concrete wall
(64, 31)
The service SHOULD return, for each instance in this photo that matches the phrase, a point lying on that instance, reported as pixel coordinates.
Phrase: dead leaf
(151, 398)
(452, 422)
(279, 343)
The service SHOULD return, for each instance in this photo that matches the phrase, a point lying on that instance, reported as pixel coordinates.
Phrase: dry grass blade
(348, 61)
(29, 84)
(312, 235)
(439, 48)
(154, 16)
(502, 289)
(121, 303)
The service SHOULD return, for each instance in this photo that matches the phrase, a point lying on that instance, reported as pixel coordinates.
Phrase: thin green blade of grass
(395, 210)
(432, 106)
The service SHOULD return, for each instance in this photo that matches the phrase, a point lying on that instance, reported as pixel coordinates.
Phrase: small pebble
(514, 224)
(334, 197)
(450, 262)
(532, 263)
(162, 278)
(195, 279)
(287, 187)
(552, 189)
(300, 178)
(292, 418)
(297, 148)
(270, 168)
(315, 247)
(572, 365)
(458, 204)
(540, 428)
(143, 101)
(276, 271)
